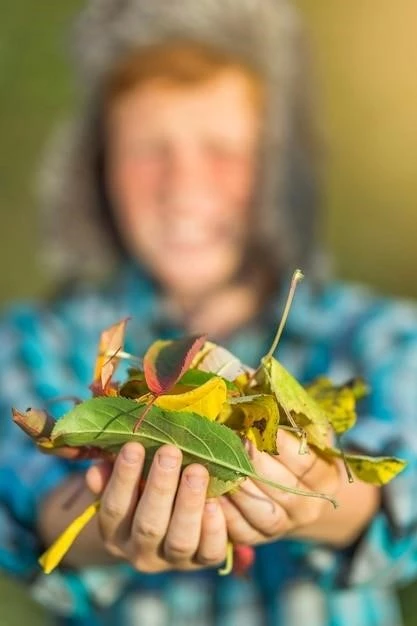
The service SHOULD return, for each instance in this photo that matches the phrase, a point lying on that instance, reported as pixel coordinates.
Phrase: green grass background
(366, 55)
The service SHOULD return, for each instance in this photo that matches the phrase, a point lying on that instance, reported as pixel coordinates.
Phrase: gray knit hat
(265, 33)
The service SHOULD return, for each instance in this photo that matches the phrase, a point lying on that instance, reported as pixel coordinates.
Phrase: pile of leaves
(199, 397)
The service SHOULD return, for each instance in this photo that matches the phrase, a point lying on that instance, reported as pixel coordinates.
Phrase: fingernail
(197, 483)
(131, 454)
(167, 461)
(211, 506)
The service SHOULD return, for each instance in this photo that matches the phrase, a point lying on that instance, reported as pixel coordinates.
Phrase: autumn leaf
(110, 345)
(37, 424)
(373, 470)
(106, 422)
(256, 417)
(338, 401)
(135, 386)
(300, 409)
(166, 361)
(217, 360)
(198, 396)
(243, 559)
(52, 557)
(206, 400)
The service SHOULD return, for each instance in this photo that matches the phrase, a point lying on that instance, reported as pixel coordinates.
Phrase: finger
(316, 472)
(300, 508)
(120, 495)
(261, 513)
(239, 530)
(213, 538)
(184, 530)
(151, 519)
(97, 476)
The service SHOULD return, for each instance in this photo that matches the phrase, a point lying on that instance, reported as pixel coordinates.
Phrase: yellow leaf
(253, 435)
(206, 400)
(217, 486)
(338, 401)
(374, 470)
(258, 419)
(242, 382)
(45, 444)
(56, 552)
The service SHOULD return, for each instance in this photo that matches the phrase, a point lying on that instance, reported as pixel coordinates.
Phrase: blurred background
(366, 59)
(365, 54)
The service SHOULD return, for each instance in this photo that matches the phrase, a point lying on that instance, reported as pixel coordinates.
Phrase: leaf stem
(228, 565)
(294, 490)
(296, 278)
(121, 354)
(144, 414)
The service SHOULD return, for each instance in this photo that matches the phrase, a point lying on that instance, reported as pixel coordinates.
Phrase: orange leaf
(111, 343)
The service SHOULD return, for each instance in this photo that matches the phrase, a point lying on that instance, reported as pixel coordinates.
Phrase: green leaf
(299, 408)
(194, 378)
(166, 361)
(135, 386)
(107, 422)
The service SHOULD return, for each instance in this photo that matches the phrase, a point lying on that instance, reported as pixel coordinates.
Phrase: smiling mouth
(189, 235)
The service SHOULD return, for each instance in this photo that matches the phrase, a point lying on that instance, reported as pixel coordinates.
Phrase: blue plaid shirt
(47, 350)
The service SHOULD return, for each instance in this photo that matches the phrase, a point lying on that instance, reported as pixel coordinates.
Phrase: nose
(185, 179)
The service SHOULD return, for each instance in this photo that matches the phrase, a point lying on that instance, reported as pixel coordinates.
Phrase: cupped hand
(258, 513)
(164, 523)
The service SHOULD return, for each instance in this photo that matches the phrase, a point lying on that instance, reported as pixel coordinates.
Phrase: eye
(146, 149)
(227, 159)
(222, 153)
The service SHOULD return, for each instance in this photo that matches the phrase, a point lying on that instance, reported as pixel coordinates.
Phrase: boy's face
(180, 173)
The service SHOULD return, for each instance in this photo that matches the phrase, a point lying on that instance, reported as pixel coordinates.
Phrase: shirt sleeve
(38, 365)
(384, 352)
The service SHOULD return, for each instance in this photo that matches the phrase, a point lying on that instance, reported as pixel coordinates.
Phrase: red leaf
(243, 558)
(165, 362)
